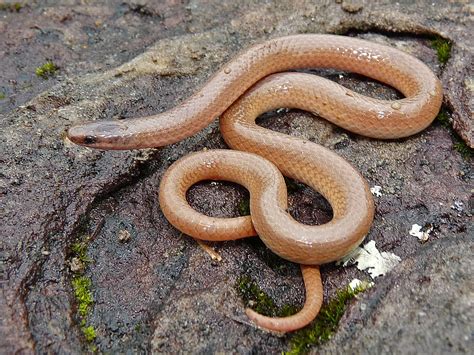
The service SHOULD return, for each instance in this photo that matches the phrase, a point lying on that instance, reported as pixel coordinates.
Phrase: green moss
(82, 285)
(322, 327)
(326, 323)
(287, 310)
(254, 297)
(293, 185)
(465, 151)
(2, 96)
(89, 333)
(82, 292)
(443, 118)
(46, 70)
(79, 250)
(244, 207)
(443, 49)
(13, 7)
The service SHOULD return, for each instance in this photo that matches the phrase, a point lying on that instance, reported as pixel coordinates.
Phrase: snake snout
(79, 135)
(96, 134)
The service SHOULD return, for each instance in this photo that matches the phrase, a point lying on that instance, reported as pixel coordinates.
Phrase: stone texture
(159, 291)
(427, 305)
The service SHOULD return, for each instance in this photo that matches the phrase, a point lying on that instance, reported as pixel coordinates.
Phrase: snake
(263, 78)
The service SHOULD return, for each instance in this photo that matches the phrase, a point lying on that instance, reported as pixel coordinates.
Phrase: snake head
(101, 135)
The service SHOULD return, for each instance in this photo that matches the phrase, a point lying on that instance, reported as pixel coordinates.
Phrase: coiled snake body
(247, 87)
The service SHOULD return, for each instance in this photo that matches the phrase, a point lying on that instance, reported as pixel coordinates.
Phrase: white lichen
(376, 190)
(358, 284)
(417, 231)
(370, 259)
(458, 206)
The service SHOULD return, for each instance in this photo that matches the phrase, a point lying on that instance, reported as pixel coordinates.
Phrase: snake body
(256, 82)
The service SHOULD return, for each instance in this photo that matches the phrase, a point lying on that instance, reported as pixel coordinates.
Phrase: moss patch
(82, 292)
(89, 333)
(80, 250)
(443, 118)
(254, 297)
(244, 207)
(46, 70)
(326, 323)
(12, 7)
(82, 286)
(2, 96)
(443, 49)
(463, 149)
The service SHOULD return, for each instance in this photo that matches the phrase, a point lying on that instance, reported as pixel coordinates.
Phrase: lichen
(443, 49)
(326, 323)
(368, 257)
(46, 70)
(254, 297)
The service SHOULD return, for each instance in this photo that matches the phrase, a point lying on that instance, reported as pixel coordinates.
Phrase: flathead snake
(247, 87)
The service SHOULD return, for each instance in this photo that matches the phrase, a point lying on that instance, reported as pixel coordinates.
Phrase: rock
(76, 265)
(123, 235)
(160, 290)
(431, 295)
(351, 6)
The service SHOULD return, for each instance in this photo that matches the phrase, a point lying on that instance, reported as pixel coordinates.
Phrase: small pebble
(76, 265)
(123, 235)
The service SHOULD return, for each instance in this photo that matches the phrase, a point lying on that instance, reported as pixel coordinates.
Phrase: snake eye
(89, 139)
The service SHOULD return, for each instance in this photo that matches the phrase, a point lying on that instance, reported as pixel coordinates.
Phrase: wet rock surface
(157, 290)
(431, 298)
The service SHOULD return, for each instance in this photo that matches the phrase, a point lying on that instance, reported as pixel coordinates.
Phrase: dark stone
(160, 291)
(423, 306)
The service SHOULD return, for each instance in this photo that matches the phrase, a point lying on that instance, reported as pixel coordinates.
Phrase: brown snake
(247, 87)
